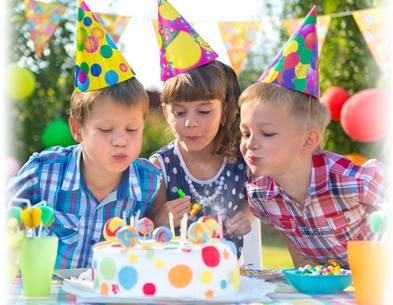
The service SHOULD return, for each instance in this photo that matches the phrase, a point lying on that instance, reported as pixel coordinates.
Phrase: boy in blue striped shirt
(102, 176)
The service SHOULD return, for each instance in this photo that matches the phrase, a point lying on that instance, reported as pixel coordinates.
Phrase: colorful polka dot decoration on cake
(181, 48)
(296, 67)
(111, 227)
(99, 63)
(203, 272)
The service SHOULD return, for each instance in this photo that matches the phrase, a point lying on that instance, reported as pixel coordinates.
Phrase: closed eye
(105, 129)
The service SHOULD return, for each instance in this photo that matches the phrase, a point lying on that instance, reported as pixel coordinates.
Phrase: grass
(274, 250)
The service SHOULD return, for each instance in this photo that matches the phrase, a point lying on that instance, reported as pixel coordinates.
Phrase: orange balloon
(356, 158)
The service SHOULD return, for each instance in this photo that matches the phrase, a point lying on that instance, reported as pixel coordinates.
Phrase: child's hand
(178, 207)
(239, 224)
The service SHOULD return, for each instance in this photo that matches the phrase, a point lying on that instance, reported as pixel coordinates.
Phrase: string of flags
(43, 18)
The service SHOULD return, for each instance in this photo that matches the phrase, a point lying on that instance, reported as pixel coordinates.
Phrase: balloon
(356, 158)
(334, 98)
(12, 167)
(21, 82)
(57, 132)
(364, 116)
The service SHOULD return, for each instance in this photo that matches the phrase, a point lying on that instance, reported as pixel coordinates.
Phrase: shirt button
(92, 242)
(347, 219)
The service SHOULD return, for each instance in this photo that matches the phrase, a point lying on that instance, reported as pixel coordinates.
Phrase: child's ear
(75, 128)
(165, 110)
(312, 139)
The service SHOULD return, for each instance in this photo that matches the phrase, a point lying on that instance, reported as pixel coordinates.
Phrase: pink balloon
(364, 116)
(12, 167)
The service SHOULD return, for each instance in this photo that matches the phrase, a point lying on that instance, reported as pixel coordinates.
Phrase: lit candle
(183, 228)
(220, 228)
(132, 222)
(137, 219)
(171, 225)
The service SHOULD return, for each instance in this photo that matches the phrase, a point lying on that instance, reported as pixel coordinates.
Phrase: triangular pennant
(182, 48)
(296, 66)
(238, 38)
(99, 63)
(323, 22)
(42, 20)
(114, 24)
(372, 24)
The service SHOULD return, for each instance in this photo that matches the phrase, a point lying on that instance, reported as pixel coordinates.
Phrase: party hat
(181, 47)
(99, 63)
(296, 66)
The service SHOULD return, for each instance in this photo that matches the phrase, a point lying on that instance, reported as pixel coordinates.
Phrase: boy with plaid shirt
(317, 199)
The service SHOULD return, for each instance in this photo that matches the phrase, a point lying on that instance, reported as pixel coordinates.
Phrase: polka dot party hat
(181, 47)
(296, 66)
(99, 63)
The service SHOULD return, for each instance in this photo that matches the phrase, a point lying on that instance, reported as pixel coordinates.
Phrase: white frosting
(174, 269)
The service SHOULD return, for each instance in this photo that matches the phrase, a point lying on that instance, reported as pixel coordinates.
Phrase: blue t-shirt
(224, 192)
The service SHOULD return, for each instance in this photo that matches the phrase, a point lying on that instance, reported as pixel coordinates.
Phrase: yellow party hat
(182, 49)
(99, 63)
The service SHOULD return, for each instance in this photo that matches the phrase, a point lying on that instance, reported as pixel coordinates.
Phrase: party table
(284, 294)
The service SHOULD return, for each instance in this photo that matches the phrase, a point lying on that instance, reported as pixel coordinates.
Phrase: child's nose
(252, 143)
(190, 122)
(119, 139)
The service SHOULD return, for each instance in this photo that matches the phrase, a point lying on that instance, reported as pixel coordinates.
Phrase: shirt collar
(319, 180)
(72, 174)
(128, 187)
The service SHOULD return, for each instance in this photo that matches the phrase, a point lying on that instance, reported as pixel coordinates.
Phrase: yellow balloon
(21, 82)
(182, 57)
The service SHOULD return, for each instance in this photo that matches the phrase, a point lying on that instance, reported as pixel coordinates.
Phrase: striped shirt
(340, 197)
(54, 176)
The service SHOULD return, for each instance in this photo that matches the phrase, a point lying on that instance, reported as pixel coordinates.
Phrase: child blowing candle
(200, 105)
(317, 199)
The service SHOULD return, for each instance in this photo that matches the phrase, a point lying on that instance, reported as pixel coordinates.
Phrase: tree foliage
(345, 61)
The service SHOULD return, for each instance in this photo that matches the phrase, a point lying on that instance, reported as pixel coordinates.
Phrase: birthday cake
(199, 266)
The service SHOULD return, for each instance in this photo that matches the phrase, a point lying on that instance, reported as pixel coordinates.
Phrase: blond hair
(306, 108)
(130, 92)
(214, 80)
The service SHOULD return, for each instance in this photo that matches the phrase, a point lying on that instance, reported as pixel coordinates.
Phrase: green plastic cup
(38, 259)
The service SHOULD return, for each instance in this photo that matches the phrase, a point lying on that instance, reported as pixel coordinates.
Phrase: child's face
(112, 136)
(194, 124)
(271, 138)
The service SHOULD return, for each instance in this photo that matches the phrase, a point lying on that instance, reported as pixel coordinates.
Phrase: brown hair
(214, 80)
(130, 92)
(304, 107)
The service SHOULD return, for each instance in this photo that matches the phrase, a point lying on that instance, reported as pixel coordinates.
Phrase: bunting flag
(372, 23)
(114, 24)
(238, 38)
(42, 20)
(323, 22)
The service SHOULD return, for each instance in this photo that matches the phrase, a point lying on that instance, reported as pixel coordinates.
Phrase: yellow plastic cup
(38, 259)
(369, 262)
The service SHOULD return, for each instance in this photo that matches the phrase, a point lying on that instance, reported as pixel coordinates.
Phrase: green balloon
(56, 133)
(21, 82)
(375, 221)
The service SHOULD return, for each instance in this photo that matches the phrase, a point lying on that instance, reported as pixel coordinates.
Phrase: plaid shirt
(340, 197)
(54, 176)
